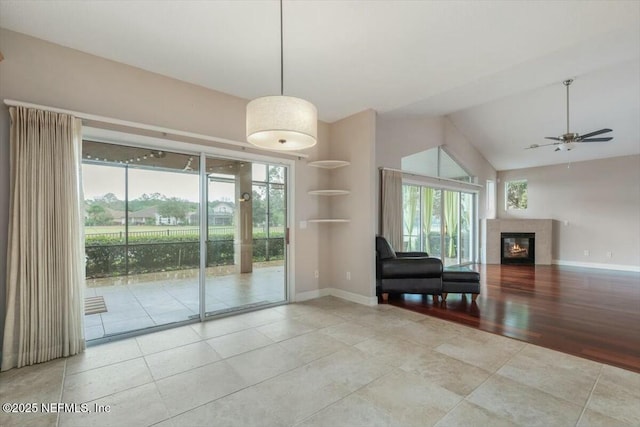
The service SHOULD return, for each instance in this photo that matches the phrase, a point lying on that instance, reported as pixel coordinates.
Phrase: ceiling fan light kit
(279, 122)
(568, 141)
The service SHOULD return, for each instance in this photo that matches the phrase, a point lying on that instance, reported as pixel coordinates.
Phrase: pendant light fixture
(282, 122)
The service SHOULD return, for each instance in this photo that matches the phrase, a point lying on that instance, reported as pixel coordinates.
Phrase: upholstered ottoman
(460, 282)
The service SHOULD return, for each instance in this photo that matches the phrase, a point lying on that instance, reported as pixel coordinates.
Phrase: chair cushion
(384, 249)
(461, 276)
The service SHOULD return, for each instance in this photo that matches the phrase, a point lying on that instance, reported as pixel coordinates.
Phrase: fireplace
(518, 248)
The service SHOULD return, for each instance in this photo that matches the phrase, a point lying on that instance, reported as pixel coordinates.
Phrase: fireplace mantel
(491, 229)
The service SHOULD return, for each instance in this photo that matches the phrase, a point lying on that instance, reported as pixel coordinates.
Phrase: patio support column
(243, 248)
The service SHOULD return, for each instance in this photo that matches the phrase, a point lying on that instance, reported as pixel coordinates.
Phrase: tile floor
(325, 362)
(148, 300)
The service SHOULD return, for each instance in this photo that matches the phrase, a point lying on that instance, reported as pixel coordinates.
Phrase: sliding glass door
(147, 236)
(246, 251)
(440, 222)
(141, 238)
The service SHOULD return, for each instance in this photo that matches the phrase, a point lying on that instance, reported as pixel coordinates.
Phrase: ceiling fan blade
(552, 137)
(596, 139)
(598, 132)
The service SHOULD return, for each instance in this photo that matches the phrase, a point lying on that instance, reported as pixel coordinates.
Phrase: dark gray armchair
(406, 272)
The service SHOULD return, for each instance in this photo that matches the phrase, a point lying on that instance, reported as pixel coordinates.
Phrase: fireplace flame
(517, 249)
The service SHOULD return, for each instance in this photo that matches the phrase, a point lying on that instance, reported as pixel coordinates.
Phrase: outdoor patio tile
(93, 332)
(123, 312)
(172, 316)
(93, 320)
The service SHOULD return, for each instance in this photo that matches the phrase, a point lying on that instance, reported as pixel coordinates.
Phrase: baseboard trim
(620, 267)
(339, 293)
(357, 298)
(318, 293)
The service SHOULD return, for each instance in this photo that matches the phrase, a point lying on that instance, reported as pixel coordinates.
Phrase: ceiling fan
(567, 141)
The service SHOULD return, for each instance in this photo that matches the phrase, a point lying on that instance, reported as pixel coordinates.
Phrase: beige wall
(43, 73)
(595, 205)
(400, 137)
(350, 247)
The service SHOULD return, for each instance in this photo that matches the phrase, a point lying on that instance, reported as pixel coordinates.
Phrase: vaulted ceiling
(494, 67)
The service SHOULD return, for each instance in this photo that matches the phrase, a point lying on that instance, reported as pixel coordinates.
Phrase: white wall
(44, 73)
(600, 202)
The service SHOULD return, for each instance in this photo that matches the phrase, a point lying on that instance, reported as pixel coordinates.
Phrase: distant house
(149, 216)
(221, 213)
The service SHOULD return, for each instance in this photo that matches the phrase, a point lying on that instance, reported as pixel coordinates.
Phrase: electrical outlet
(348, 275)
(316, 274)
(586, 252)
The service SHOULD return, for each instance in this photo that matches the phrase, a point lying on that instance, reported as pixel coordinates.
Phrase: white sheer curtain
(391, 203)
(45, 253)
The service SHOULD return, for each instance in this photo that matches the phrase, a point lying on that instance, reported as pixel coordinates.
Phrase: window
(440, 222)
(436, 162)
(515, 194)
(490, 198)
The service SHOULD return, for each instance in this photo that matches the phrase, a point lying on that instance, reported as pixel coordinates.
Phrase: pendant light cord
(281, 54)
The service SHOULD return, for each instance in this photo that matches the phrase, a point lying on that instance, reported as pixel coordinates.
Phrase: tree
(174, 207)
(517, 194)
(98, 215)
(109, 200)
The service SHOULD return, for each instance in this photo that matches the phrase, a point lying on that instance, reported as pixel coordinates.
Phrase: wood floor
(589, 313)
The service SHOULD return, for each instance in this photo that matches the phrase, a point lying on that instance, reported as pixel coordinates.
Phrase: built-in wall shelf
(329, 192)
(328, 164)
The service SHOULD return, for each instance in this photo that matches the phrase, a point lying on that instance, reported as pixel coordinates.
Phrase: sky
(99, 180)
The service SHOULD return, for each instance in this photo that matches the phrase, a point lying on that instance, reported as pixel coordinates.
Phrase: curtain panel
(391, 206)
(45, 253)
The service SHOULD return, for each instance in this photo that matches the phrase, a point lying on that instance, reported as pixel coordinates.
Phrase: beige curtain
(391, 208)
(45, 254)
